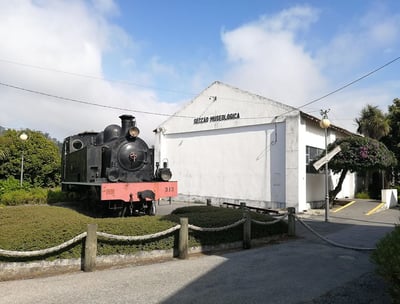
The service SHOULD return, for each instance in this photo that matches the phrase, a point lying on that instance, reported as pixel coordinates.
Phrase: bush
(398, 192)
(56, 195)
(33, 196)
(11, 184)
(24, 228)
(362, 195)
(387, 258)
(11, 194)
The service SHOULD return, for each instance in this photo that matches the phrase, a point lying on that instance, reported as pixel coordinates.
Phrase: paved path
(296, 271)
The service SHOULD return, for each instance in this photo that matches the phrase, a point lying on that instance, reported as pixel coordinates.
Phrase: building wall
(256, 156)
(228, 165)
(315, 183)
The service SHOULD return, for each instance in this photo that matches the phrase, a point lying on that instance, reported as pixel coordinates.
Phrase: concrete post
(89, 263)
(246, 227)
(291, 221)
(183, 238)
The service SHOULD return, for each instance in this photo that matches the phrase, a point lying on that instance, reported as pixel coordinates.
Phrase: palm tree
(373, 123)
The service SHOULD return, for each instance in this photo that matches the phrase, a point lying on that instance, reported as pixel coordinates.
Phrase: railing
(90, 252)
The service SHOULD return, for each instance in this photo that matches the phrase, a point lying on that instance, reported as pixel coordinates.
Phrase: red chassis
(128, 192)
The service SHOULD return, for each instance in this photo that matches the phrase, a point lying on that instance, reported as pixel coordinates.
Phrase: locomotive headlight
(165, 174)
(133, 132)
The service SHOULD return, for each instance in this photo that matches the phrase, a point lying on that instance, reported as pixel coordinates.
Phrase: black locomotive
(115, 170)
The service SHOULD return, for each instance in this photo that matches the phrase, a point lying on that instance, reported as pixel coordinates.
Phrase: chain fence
(281, 217)
(36, 253)
(333, 243)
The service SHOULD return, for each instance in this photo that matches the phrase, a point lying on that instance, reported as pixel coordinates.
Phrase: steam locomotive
(114, 170)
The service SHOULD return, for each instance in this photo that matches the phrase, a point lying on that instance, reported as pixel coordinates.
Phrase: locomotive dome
(111, 132)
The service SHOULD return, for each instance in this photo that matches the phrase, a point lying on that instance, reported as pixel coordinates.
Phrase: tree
(41, 158)
(392, 140)
(373, 123)
(358, 154)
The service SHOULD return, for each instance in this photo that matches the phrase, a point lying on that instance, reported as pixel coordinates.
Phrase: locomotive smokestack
(127, 121)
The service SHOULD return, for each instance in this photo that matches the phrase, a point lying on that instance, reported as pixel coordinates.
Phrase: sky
(72, 66)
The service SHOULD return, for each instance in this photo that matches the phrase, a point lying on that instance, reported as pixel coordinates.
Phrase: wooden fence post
(291, 221)
(183, 238)
(246, 227)
(89, 263)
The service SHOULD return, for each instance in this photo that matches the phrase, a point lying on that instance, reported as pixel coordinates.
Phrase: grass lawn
(26, 228)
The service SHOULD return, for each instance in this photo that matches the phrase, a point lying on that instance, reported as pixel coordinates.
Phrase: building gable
(222, 106)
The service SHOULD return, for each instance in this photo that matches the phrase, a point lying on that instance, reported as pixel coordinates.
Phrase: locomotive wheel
(151, 208)
(123, 211)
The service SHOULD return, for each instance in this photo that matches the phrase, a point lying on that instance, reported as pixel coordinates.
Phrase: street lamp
(324, 124)
(22, 137)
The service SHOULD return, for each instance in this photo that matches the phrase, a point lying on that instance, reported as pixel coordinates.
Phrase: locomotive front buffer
(142, 194)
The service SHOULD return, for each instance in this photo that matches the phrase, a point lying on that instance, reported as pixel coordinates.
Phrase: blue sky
(155, 56)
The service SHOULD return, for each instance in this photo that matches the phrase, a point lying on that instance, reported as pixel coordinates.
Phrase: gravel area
(368, 288)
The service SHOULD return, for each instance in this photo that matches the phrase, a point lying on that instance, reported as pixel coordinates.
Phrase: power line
(96, 77)
(119, 81)
(344, 86)
(350, 83)
(89, 103)
(183, 116)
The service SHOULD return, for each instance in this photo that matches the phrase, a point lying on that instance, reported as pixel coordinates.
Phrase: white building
(228, 145)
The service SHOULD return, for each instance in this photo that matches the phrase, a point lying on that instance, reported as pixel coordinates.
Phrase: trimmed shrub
(33, 196)
(11, 184)
(387, 258)
(24, 228)
(56, 195)
(12, 194)
(362, 195)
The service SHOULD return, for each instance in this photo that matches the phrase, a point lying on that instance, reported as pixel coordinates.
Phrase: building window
(312, 154)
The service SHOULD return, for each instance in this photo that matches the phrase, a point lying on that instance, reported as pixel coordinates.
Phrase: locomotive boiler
(114, 170)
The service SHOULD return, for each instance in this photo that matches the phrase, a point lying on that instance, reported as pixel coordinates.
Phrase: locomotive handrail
(33, 253)
(140, 237)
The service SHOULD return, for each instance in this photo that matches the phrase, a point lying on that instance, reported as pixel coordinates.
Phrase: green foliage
(387, 258)
(14, 195)
(392, 140)
(42, 160)
(373, 122)
(209, 216)
(56, 195)
(25, 228)
(362, 195)
(11, 194)
(34, 196)
(11, 184)
(359, 154)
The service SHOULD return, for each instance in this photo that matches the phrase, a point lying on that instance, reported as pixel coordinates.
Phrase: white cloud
(49, 36)
(270, 57)
(265, 57)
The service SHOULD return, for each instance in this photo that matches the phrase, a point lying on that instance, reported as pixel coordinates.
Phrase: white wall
(315, 183)
(258, 158)
(243, 163)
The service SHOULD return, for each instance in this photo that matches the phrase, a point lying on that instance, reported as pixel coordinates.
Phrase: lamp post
(22, 137)
(324, 124)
